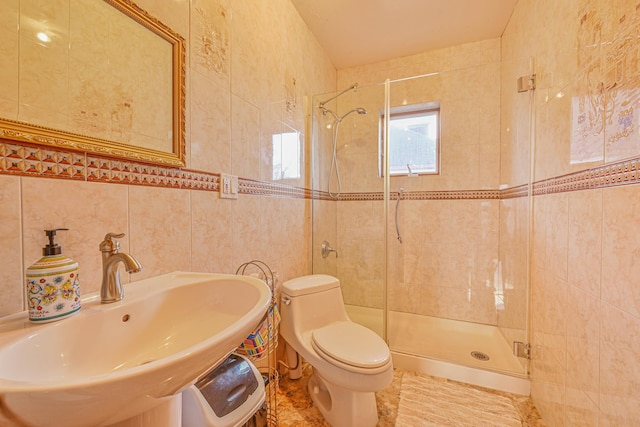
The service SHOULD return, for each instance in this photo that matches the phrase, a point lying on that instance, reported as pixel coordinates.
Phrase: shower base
(443, 348)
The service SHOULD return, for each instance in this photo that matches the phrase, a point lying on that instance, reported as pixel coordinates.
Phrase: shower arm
(352, 87)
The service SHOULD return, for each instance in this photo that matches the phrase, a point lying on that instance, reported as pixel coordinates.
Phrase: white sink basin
(111, 362)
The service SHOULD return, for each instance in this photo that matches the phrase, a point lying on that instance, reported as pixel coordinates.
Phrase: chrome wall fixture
(326, 249)
(398, 236)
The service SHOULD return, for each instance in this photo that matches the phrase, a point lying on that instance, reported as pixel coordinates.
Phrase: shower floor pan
(444, 348)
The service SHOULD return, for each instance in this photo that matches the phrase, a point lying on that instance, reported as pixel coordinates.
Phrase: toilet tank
(311, 284)
(310, 302)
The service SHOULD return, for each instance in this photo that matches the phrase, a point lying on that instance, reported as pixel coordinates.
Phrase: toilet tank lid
(309, 284)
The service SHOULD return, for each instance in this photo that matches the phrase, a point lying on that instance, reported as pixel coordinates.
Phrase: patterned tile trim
(27, 160)
(514, 192)
(262, 188)
(420, 195)
(32, 160)
(620, 173)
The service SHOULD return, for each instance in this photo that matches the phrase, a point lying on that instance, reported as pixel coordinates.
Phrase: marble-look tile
(583, 344)
(581, 410)
(210, 48)
(212, 236)
(159, 230)
(11, 274)
(537, 304)
(245, 138)
(619, 369)
(88, 210)
(621, 248)
(556, 293)
(210, 124)
(585, 240)
(539, 236)
(248, 236)
(413, 400)
(557, 228)
(256, 29)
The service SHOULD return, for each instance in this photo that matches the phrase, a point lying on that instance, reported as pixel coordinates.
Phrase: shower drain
(479, 355)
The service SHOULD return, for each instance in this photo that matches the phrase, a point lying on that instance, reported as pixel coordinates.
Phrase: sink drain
(479, 355)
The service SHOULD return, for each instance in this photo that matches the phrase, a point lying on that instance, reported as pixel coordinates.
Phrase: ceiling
(357, 32)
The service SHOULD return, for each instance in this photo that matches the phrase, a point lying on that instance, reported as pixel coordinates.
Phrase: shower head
(355, 110)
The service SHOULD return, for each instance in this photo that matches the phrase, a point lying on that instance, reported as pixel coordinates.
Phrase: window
(414, 139)
(286, 155)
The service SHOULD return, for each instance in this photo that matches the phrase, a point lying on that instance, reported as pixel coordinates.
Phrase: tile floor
(414, 400)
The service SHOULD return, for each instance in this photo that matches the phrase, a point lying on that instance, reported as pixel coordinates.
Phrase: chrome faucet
(111, 290)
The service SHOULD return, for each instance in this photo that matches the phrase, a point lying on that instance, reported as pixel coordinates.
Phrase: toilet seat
(350, 344)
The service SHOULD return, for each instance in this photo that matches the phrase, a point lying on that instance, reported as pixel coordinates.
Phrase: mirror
(99, 76)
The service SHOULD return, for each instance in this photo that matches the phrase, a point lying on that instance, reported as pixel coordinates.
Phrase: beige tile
(581, 411)
(414, 399)
(248, 237)
(537, 304)
(619, 371)
(210, 42)
(585, 240)
(555, 318)
(583, 344)
(88, 210)
(212, 237)
(210, 125)
(539, 237)
(557, 224)
(12, 273)
(621, 248)
(255, 30)
(160, 230)
(245, 138)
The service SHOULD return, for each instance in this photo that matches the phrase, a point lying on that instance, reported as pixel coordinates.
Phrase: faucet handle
(110, 245)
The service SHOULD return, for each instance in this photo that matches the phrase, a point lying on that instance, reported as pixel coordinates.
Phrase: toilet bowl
(350, 362)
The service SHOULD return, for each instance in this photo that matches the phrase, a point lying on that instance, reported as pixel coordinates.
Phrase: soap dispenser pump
(53, 287)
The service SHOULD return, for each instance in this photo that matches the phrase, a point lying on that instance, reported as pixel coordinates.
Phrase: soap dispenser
(53, 288)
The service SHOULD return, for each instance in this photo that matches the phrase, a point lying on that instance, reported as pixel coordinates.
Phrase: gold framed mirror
(97, 76)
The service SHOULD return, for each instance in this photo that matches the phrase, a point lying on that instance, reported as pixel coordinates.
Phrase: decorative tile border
(31, 160)
(26, 160)
(514, 192)
(451, 195)
(423, 195)
(262, 188)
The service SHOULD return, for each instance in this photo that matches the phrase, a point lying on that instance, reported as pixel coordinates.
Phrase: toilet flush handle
(286, 300)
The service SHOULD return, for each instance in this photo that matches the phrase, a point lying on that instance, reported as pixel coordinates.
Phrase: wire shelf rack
(260, 347)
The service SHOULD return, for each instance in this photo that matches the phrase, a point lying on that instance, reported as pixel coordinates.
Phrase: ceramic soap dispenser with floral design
(53, 288)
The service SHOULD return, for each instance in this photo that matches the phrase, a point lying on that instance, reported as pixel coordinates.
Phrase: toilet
(350, 362)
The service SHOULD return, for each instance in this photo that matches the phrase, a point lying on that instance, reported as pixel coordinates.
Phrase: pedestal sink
(111, 362)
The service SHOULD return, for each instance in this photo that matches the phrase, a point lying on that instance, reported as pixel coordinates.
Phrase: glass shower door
(348, 205)
(457, 281)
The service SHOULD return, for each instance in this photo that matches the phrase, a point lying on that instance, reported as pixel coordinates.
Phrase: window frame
(405, 111)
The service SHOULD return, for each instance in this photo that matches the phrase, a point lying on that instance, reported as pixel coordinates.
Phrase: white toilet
(350, 362)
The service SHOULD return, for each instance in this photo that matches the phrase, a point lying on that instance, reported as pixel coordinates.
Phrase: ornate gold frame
(18, 131)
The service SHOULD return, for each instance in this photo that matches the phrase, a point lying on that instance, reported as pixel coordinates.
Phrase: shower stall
(422, 212)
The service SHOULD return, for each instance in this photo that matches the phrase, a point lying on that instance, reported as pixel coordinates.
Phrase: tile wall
(247, 79)
(585, 306)
(448, 263)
